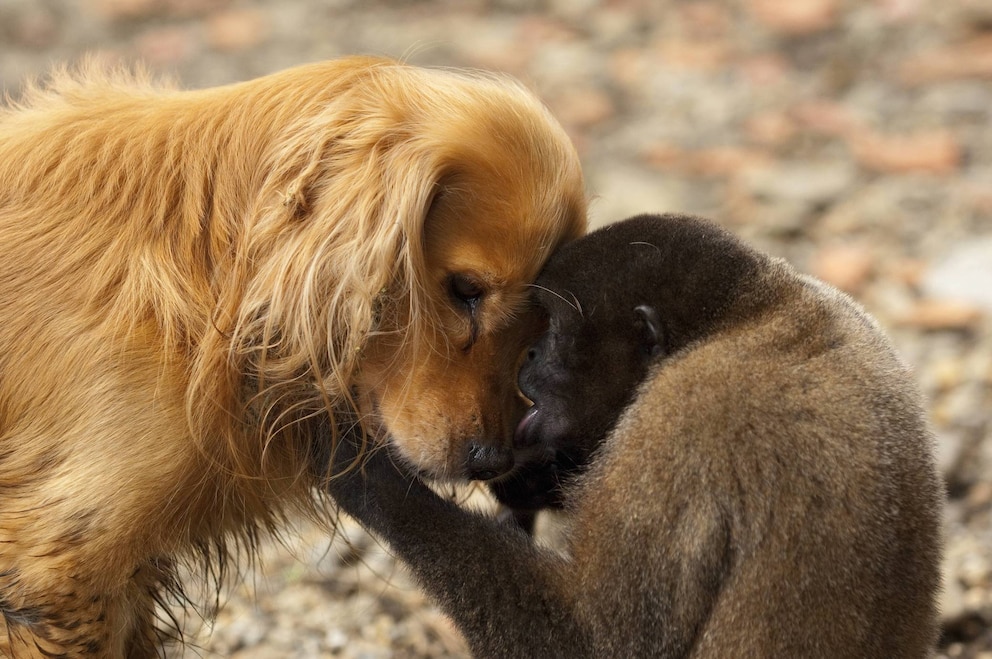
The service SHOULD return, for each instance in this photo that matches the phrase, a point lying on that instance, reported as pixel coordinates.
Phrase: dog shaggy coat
(189, 278)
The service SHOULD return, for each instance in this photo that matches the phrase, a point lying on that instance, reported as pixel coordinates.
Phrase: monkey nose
(486, 462)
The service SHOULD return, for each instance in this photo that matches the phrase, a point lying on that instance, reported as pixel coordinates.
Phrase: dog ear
(339, 218)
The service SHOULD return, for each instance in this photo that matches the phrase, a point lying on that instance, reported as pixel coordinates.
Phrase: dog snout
(485, 462)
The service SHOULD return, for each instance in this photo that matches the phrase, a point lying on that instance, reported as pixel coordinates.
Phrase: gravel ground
(850, 137)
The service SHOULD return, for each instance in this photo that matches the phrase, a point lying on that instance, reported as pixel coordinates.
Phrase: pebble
(931, 152)
(936, 314)
(770, 128)
(236, 29)
(847, 266)
(584, 107)
(795, 17)
(964, 274)
(165, 46)
(967, 59)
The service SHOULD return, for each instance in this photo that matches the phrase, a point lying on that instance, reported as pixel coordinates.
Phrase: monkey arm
(504, 593)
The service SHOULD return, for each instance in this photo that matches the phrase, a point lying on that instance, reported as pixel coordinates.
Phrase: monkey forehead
(692, 271)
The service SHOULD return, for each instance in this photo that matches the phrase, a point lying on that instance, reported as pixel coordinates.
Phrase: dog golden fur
(187, 278)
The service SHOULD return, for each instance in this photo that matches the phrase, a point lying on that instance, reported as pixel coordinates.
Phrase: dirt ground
(852, 137)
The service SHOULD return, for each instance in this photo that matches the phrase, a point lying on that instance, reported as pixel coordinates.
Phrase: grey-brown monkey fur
(761, 481)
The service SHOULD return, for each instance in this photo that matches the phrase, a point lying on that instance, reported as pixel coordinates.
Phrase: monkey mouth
(524, 435)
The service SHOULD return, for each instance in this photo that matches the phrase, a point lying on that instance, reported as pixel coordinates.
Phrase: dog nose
(487, 462)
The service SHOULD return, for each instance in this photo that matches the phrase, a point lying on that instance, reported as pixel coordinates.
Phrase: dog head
(404, 219)
(507, 192)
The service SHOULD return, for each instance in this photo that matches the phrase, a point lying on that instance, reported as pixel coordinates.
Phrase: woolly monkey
(756, 470)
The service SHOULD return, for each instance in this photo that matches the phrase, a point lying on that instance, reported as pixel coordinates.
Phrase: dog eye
(466, 291)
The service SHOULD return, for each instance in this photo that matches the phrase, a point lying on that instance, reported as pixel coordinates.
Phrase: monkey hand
(369, 485)
(531, 487)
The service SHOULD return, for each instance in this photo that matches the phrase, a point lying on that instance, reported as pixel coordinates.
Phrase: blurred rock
(764, 70)
(35, 27)
(930, 152)
(717, 161)
(827, 117)
(930, 314)
(693, 55)
(705, 18)
(165, 46)
(970, 59)
(949, 450)
(236, 29)
(810, 183)
(770, 128)
(498, 48)
(847, 266)
(951, 604)
(582, 107)
(897, 11)
(622, 190)
(965, 273)
(123, 9)
(795, 17)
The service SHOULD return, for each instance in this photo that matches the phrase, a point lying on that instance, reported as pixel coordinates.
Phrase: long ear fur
(335, 234)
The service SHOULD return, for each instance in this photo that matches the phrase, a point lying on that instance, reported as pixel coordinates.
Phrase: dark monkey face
(583, 371)
(615, 301)
(580, 374)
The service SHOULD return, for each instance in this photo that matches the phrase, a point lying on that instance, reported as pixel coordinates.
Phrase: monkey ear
(648, 322)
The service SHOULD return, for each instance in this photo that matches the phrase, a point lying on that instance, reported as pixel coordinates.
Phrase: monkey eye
(465, 291)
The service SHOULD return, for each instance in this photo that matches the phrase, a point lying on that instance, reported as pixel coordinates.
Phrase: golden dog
(187, 278)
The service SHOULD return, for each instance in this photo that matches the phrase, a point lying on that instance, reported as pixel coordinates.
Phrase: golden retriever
(187, 278)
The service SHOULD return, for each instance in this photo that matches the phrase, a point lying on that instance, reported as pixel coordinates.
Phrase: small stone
(908, 271)
(965, 273)
(764, 70)
(194, 7)
(969, 59)
(933, 152)
(583, 107)
(948, 451)
(770, 128)
(946, 373)
(500, 48)
(725, 161)
(717, 161)
(37, 28)
(806, 182)
(621, 190)
(973, 571)
(826, 117)
(236, 29)
(980, 494)
(846, 266)
(703, 56)
(898, 11)
(930, 314)
(951, 603)
(705, 18)
(116, 10)
(629, 66)
(795, 17)
(165, 45)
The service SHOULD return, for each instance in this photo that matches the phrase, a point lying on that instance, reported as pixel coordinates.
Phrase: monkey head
(616, 301)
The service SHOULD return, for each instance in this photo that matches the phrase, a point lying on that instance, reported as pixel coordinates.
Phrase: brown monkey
(759, 478)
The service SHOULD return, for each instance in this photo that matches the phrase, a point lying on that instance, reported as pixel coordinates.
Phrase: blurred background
(853, 137)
